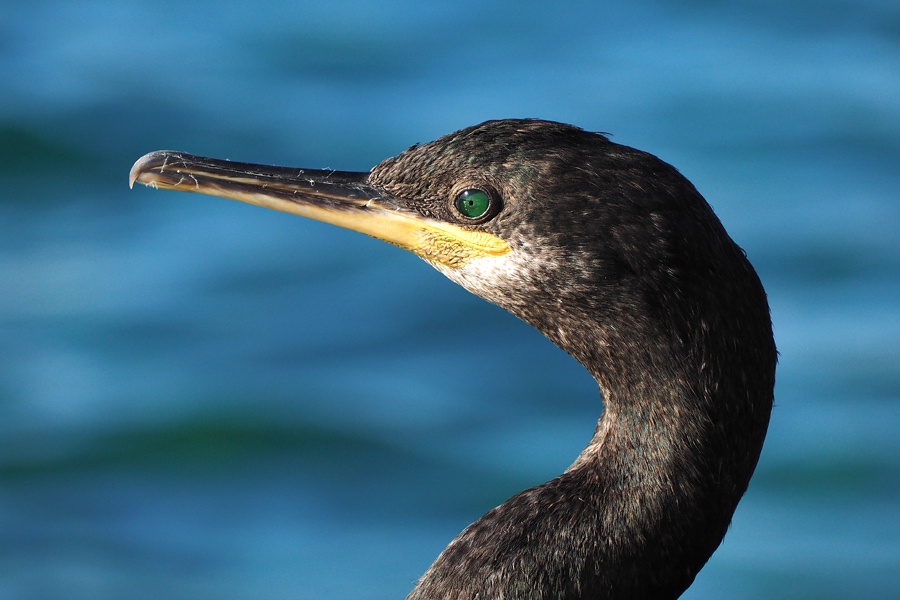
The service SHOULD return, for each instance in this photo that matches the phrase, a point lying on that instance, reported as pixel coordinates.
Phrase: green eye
(472, 203)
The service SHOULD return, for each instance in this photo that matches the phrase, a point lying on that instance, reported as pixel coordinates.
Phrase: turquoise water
(202, 399)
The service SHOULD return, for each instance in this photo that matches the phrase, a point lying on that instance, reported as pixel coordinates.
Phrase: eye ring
(475, 205)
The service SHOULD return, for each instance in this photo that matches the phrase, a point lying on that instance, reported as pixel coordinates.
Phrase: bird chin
(500, 280)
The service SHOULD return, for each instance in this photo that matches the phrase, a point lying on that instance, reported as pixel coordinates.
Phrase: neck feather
(649, 499)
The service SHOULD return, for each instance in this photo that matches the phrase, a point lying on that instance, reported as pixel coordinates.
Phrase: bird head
(580, 237)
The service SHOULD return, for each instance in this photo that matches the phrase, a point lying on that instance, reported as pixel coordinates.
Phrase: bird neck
(650, 498)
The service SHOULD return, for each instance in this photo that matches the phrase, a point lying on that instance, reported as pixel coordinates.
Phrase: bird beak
(342, 198)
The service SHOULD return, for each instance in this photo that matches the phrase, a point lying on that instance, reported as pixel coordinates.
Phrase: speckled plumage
(618, 260)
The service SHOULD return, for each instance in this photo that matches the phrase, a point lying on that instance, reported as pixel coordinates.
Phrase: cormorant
(615, 257)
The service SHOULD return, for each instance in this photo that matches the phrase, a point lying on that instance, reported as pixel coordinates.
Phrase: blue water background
(204, 399)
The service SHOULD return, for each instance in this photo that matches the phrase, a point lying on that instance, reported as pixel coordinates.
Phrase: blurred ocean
(203, 399)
